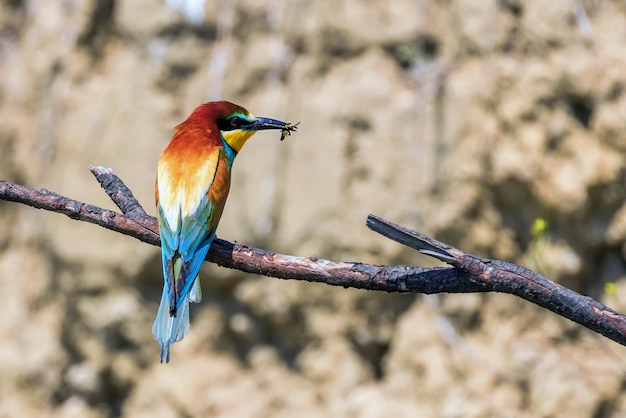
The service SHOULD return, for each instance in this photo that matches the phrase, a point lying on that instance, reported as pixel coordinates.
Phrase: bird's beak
(262, 124)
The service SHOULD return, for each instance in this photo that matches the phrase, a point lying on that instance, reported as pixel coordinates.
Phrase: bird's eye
(236, 122)
(232, 123)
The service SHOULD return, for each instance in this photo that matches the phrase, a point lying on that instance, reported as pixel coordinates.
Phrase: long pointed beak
(262, 124)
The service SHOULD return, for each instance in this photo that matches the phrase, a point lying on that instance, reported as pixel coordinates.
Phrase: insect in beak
(288, 129)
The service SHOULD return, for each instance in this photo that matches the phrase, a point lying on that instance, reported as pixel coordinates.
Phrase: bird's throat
(236, 139)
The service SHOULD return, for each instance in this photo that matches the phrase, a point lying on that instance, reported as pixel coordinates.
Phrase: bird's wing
(189, 210)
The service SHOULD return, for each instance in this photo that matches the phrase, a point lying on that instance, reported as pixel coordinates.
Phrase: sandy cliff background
(468, 120)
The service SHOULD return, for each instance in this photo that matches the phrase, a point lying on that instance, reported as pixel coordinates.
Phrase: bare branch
(468, 274)
(503, 277)
(240, 256)
(143, 229)
(118, 192)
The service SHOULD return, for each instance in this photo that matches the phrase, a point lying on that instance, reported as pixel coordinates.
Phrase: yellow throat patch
(236, 138)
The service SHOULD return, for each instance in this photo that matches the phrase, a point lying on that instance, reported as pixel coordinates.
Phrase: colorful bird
(192, 184)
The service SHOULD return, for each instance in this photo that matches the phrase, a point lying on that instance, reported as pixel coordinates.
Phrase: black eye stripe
(232, 123)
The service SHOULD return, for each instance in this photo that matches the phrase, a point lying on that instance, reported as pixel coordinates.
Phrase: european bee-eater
(193, 180)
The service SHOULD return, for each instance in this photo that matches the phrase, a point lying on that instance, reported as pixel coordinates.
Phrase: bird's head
(236, 124)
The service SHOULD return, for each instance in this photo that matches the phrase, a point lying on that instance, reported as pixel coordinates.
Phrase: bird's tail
(169, 329)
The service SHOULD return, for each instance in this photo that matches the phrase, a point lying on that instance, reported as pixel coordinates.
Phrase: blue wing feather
(195, 240)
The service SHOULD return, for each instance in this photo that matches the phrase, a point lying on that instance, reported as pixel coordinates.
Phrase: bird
(192, 184)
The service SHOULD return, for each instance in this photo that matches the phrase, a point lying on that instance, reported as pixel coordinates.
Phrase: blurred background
(496, 126)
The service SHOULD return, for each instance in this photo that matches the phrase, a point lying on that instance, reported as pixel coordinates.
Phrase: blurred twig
(582, 20)
(469, 273)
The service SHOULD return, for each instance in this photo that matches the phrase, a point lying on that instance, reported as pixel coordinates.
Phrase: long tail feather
(170, 329)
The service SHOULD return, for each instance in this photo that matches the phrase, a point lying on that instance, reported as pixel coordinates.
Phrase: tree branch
(468, 274)
(503, 277)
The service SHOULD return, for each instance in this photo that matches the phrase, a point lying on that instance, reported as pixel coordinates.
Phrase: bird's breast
(188, 174)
